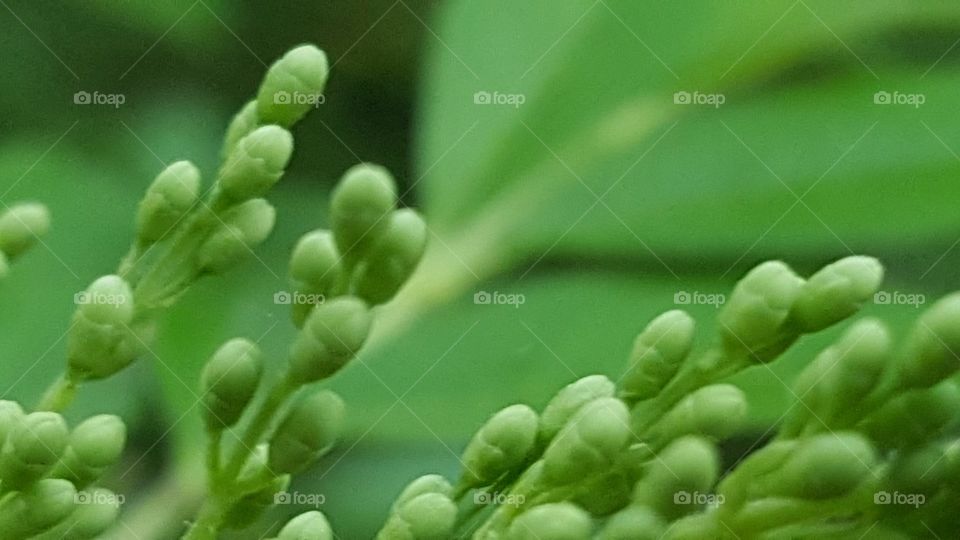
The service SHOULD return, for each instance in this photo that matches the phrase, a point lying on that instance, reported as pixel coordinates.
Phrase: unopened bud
(256, 163)
(168, 199)
(293, 85)
(20, 227)
(229, 381)
(307, 432)
(657, 354)
(332, 335)
(244, 227)
(501, 445)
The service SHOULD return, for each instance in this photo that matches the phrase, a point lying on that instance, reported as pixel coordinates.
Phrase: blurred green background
(614, 188)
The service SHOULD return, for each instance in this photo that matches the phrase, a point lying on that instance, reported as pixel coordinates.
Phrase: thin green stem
(214, 439)
(277, 395)
(59, 395)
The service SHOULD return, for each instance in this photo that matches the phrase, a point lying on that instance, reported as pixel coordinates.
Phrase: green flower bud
(252, 507)
(920, 470)
(168, 199)
(571, 399)
(307, 432)
(11, 414)
(752, 321)
(293, 85)
(589, 443)
(500, 446)
(37, 508)
(314, 269)
(99, 342)
(97, 510)
(606, 493)
(716, 411)
(836, 292)
(430, 516)
(95, 444)
(914, 417)
(310, 525)
(359, 207)
(228, 382)
(256, 163)
(244, 227)
(556, 521)
(393, 258)
(32, 448)
(824, 466)
(934, 345)
(430, 483)
(634, 523)
(657, 354)
(688, 465)
(332, 335)
(20, 227)
(242, 124)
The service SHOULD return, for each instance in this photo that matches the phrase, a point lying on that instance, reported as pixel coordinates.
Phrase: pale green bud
(430, 483)
(500, 446)
(752, 321)
(687, 465)
(556, 521)
(920, 470)
(20, 227)
(933, 349)
(836, 292)
(108, 301)
(824, 466)
(32, 448)
(359, 209)
(98, 512)
(244, 122)
(607, 492)
(429, 516)
(99, 342)
(168, 199)
(256, 163)
(310, 525)
(332, 335)
(393, 258)
(914, 417)
(589, 443)
(11, 414)
(307, 432)
(229, 381)
(657, 354)
(716, 411)
(571, 399)
(37, 508)
(314, 269)
(253, 506)
(293, 85)
(244, 227)
(95, 444)
(634, 523)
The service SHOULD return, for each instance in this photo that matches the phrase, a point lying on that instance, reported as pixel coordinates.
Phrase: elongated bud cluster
(933, 349)
(311, 525)
(229, 381)
(428, 516)
(244, 227)
(688, 465)
(634, 523)
(657, 354)
(256, 163)
(589, 443)
(429, 483)
(168, 199)
(752, 321)
(20, 227)
(716, 411)
(99, 342)
(307, 432)
(571, 399)
(823, 466)
(558, 521)
(359, 209)
(393, 257)
(37, 508)
(32, 448)
(241, 125)
(332, 335)
(501, 445)
(836, 292)
(914, 417)
(314, 269)
(293, 85)
(95, 444)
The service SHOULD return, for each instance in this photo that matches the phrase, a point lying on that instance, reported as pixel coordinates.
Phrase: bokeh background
(597, 161)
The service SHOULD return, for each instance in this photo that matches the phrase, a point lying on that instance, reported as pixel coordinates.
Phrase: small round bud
(38, 508)
(99, 342)
(933, 350)
(571, 399)
(393, 258)
(11, 414)
(307, 432)
(32, 449)
(556, 521)
(430, 516)
(229, 381)
(244, 122)
(589, 443)
(168, 199)
(752, 321)
(293, 85)
(20, 227)
(657, 354)
(634, 523)
(914, 417)
(244, 227)
(315, 261)
(501, 445)
(359, 207)
(825, 466)
(95, 444)
(688, 465)
(108, 301)
(256, 163)
(836, 292)
(332, 335)
(716, 411)
(430, 483)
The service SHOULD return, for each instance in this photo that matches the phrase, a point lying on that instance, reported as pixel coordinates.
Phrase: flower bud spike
(20, 227)
(836, 292)
(32, 448)
(393, 258)
(657, 354)
(99, 342)
(229, 381)
(307, 432)
(95, 444)
(168, 199)
(256, 163)
(500, 446)
(242, 124)
(933, 348)
(293, 85)
(569, 400)
(429, 516)
(332, 335)
(589, 443)
(557, 521)
(244, 227)
(359, 209)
